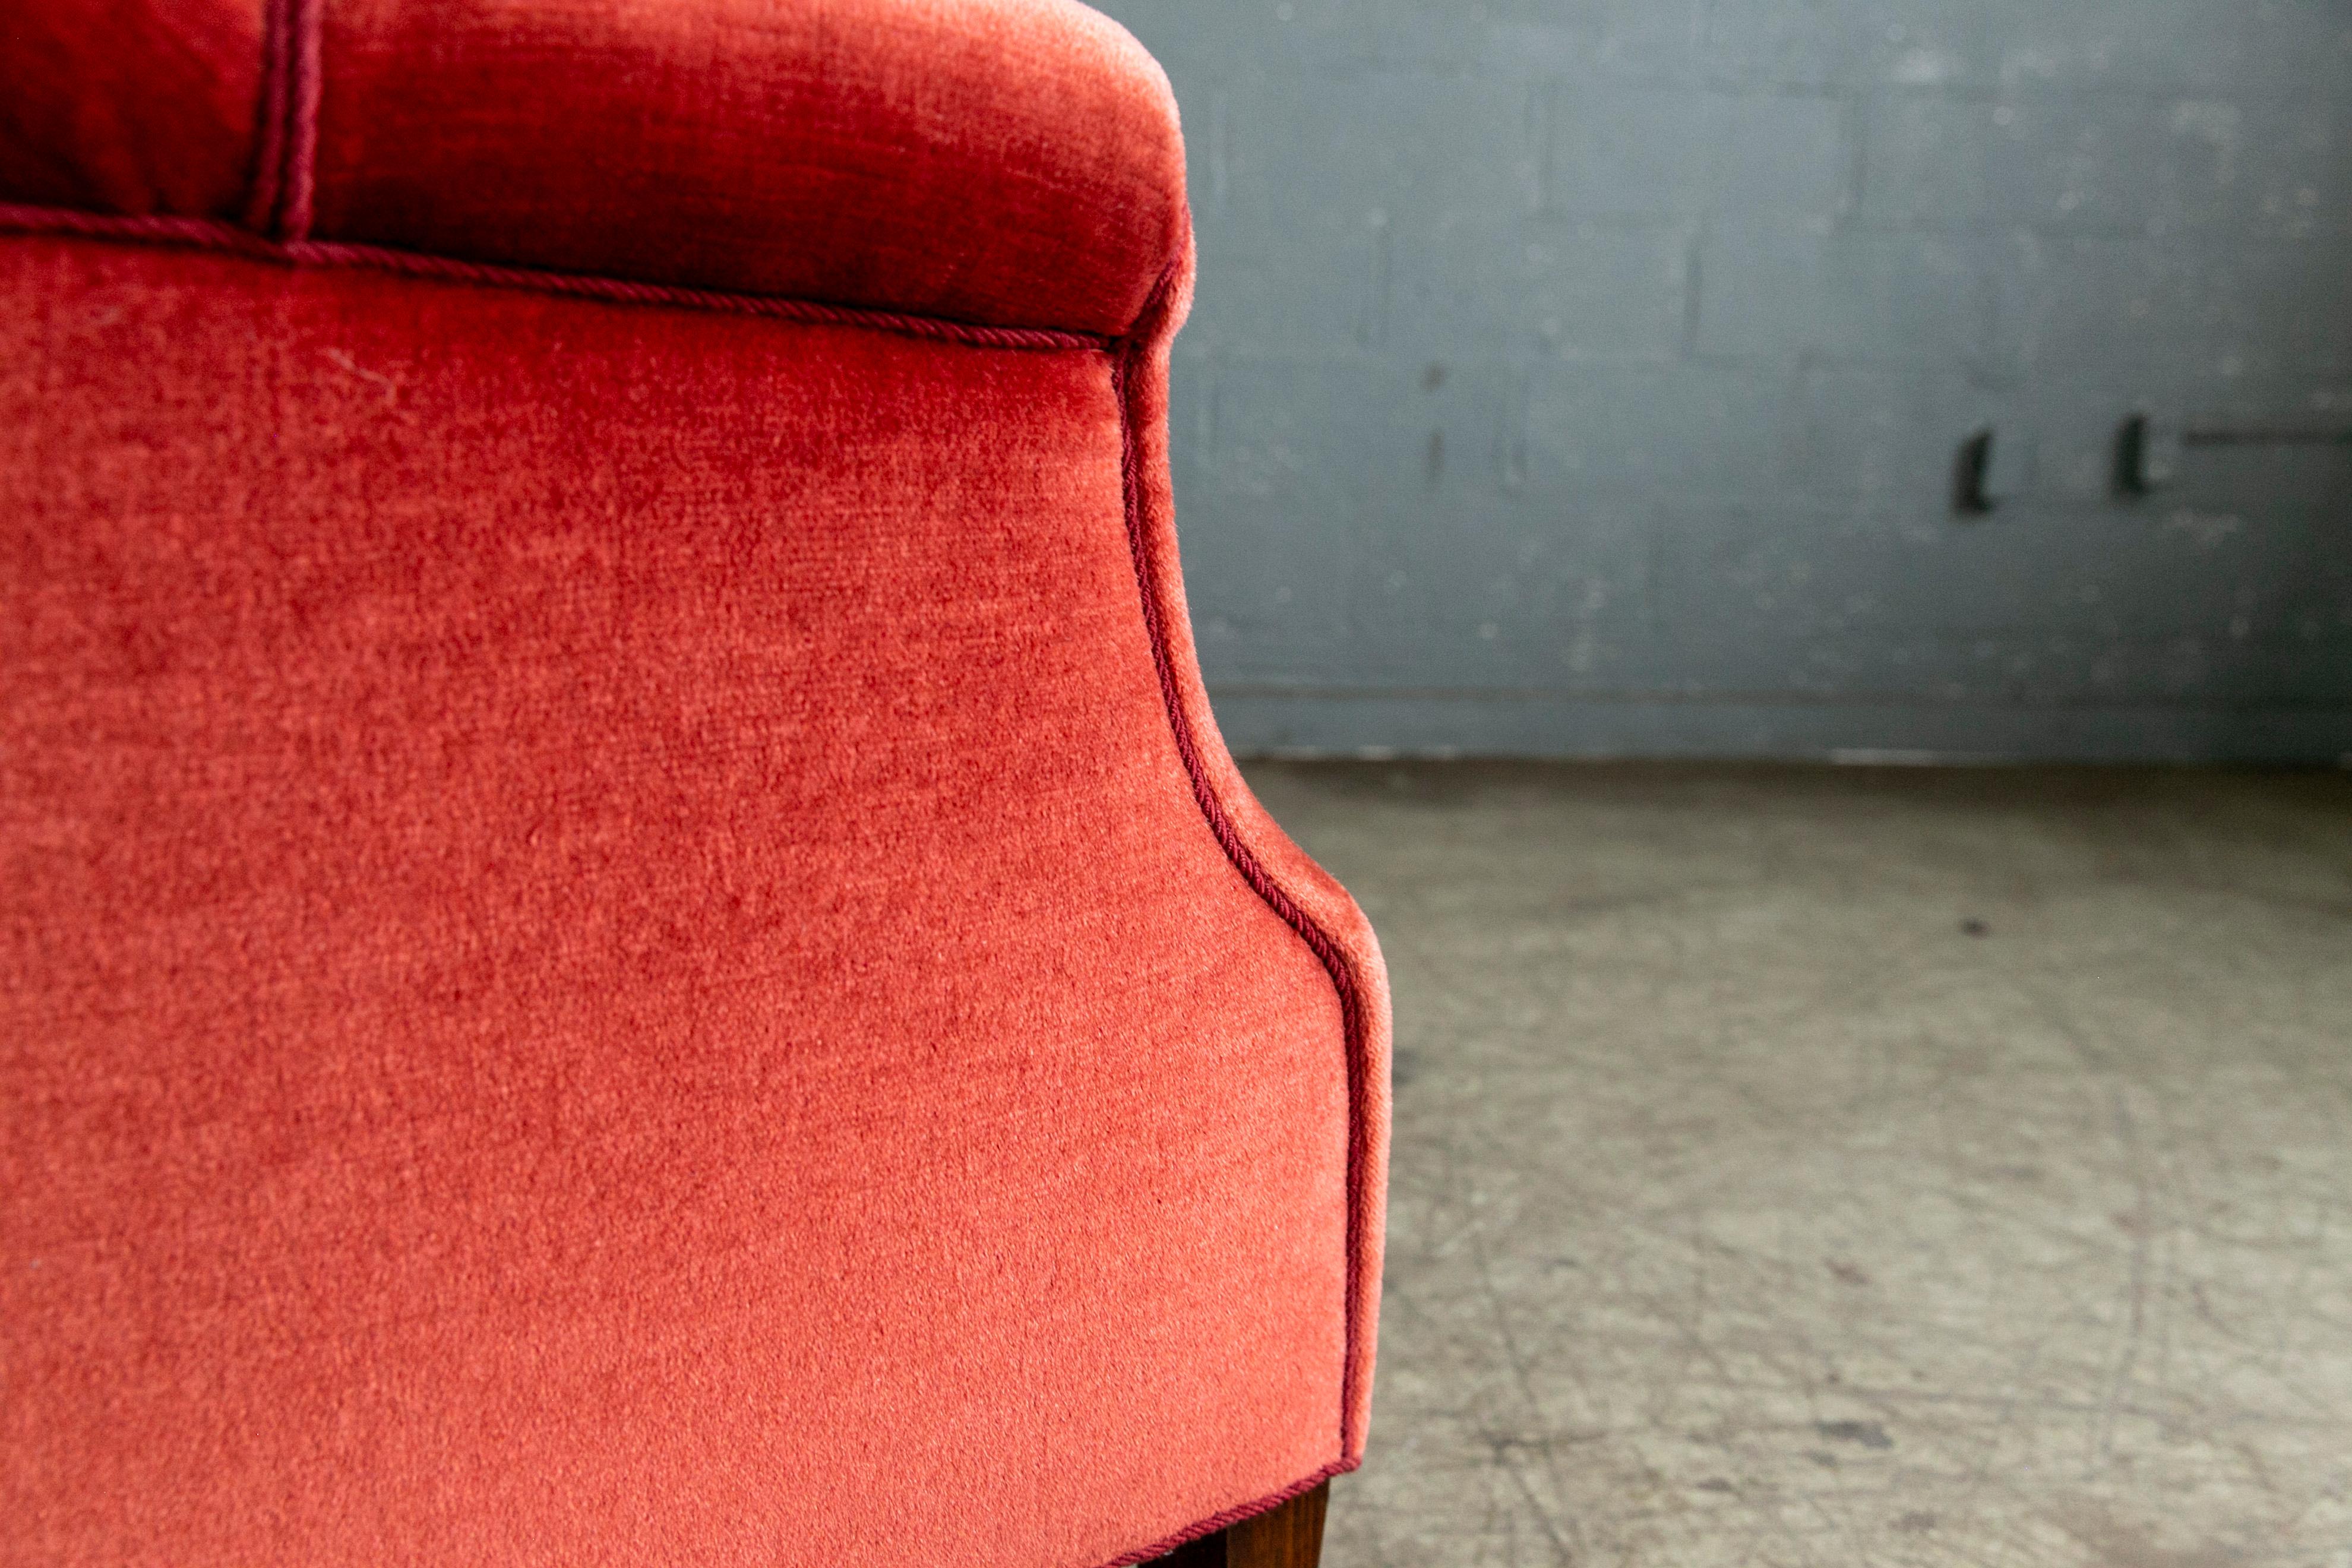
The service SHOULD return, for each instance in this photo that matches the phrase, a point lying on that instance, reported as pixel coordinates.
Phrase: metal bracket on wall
(2146, 454)
(2148, 450)
(1971, 467)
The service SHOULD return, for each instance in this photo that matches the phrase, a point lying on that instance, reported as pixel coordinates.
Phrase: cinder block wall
(1585, 377)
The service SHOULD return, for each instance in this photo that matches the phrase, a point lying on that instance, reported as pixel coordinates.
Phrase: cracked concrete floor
(1854, 1167)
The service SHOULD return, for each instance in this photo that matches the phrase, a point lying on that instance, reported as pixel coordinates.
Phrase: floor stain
(1869, 1433)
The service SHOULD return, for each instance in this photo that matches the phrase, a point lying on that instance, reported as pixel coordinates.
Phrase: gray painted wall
(1577, 376)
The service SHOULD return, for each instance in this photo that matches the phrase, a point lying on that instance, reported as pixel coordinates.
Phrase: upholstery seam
(278, 199)
(212, 234)
(1125, 357)
(302, 54)
(269, 122)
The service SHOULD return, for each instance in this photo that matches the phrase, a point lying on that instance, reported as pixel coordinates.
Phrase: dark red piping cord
(1125, 358)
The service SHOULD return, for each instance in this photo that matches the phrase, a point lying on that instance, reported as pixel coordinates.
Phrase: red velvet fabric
(1013, 162)
(130, 106)
(628, 937)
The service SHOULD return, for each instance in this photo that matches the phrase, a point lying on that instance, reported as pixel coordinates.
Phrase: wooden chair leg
(1290, 1536)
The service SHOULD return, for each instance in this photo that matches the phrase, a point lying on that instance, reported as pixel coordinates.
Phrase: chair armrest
(1010, 162)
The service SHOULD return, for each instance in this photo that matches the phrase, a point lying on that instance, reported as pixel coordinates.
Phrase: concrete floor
(1852, 1167)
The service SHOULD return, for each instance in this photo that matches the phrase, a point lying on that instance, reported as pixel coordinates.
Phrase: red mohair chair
(628, 939)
